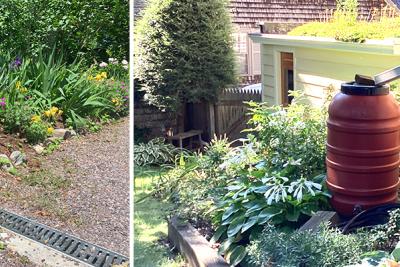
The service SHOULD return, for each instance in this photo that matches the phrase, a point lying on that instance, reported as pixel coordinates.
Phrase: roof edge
(386, 47)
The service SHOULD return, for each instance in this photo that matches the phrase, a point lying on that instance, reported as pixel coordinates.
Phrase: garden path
(95, 206)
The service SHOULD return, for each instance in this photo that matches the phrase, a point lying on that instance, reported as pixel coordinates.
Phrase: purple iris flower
(16, 63)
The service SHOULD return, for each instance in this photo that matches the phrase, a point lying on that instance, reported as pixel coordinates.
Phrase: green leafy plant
(36, 132)
(293, 134)
(91, 30)
(386, 236)
(325, 247)
(260, 198)
(52, 146)
(196, 181)
(274, 177)
(16, 118)
(155, 152)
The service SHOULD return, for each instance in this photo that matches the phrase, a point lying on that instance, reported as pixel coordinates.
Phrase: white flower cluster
(114, 61)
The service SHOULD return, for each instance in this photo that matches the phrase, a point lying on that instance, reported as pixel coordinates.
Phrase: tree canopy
(184, 51)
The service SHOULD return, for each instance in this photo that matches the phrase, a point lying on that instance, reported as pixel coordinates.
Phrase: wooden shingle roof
(138, 6)
(246, 13)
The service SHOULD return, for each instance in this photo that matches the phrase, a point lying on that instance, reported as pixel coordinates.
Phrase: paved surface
(97, 166)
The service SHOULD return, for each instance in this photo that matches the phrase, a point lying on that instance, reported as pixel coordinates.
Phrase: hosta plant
(260, 198)
(155, 152)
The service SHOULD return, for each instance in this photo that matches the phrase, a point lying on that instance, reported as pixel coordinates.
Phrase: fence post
(212, 120)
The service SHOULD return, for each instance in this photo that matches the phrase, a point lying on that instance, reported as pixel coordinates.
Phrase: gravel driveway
(97, 166)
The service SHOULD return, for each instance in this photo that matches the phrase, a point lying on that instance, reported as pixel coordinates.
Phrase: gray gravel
(98, 199)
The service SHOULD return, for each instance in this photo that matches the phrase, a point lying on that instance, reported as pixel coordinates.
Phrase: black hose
(368, 218)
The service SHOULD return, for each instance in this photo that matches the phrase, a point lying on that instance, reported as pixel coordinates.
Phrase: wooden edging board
(193, 246)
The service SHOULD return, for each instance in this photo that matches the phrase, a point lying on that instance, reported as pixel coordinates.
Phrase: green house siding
(320, 63)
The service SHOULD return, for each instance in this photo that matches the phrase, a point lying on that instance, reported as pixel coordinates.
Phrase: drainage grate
(67, 244)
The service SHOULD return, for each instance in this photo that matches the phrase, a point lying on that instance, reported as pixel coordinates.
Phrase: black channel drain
(67, 244)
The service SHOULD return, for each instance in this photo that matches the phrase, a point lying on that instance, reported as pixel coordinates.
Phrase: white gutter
(385, 47)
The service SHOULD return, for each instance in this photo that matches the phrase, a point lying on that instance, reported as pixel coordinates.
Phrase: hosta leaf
(267, 213)
(229, 211)
(396, 252)
(225, 245)
(250, 222)
(217, 235)
(237, 255)
(255, 206)
(261, 189)
(236, 225)
(292, 215)
(231, 218)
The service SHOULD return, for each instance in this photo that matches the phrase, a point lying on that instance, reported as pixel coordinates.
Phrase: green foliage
(184, 51)
(326, 247)
(46, 82)
(16, 117)
(45, 179)
(386, 236)
(95, 29)
(36, 132)
(53, 146)
(295, 135)
(346, 30)
(196, 182)
(274, 177)
(155, 152)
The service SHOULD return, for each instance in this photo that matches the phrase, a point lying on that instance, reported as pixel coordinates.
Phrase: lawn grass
(150, 224)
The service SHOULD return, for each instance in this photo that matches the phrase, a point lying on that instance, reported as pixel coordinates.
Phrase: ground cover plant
(344, 26)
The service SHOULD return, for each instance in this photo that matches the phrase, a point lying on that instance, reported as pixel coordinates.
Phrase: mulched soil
(95, 204)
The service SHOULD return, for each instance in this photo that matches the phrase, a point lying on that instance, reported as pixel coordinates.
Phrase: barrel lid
(352, 88)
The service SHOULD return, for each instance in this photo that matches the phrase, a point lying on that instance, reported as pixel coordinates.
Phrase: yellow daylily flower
(23, 90)
(98, 77)
(36, 118)
(18, 84)
(53, 111)
(103, 75)
(50, 130)
(47, 113)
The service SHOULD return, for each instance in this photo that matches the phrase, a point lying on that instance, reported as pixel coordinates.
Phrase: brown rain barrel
(363, 148)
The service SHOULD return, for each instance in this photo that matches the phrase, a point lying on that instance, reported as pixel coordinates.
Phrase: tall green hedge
(95, 29)
(184, 51)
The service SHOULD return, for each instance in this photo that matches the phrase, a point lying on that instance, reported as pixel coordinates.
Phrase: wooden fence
(231, 113)
(228, 116)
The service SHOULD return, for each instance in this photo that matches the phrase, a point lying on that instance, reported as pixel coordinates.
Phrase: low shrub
(36, 132)
(15, 118)
(326, 247)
